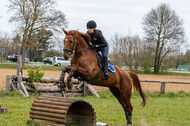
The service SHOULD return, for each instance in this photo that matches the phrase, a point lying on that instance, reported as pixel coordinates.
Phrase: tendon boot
(106, 75)
(61, 83)
(69, 83)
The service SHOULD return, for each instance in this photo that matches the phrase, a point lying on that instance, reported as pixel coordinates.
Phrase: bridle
(72, 49)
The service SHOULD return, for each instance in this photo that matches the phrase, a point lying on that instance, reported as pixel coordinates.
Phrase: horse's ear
(66, 33)
(76, 31)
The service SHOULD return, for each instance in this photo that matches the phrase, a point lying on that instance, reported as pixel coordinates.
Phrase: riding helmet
(91, 24)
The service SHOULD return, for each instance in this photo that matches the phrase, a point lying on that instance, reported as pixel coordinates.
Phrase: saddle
(101, 63)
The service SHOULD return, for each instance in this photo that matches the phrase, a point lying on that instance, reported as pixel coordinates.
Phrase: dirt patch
(146, 86)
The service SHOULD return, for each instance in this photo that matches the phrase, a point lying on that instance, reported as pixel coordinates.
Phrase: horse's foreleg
(69, 83)
(71, 74)
(62, 76)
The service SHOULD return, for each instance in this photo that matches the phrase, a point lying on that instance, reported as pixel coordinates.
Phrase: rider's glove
(93, 46)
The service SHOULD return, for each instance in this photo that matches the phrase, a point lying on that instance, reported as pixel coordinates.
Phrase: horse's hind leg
(126, 105)
(128, 112)
(116, 93)
(126, 96)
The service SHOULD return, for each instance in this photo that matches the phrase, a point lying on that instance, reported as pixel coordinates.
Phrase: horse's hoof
(129, 124)
(69, 86)
(61, 85)
(68, 79)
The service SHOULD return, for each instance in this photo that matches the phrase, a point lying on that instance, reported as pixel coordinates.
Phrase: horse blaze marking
(62, 111)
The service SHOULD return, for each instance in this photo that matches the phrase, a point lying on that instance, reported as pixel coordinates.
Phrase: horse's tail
(137, 86)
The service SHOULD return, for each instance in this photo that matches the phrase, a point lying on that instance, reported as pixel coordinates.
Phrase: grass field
(171, 109)
(14, 66)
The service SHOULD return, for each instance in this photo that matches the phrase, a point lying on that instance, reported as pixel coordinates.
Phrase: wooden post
(19, 76)
(19, 80)
(8, 77)
(85, 89)
(93, 91)
(24, 89)
(19, 69)
(162, 90)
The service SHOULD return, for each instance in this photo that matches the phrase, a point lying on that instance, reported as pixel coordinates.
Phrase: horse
(84, 64)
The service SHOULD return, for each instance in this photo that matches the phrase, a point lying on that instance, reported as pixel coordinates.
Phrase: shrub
(34, 75)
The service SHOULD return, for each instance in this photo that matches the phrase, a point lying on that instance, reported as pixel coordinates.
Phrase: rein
(82, 50)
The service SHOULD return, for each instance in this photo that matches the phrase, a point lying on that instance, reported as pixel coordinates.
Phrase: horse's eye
(70, 41)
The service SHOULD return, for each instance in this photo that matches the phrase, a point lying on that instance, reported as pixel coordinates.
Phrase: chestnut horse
(84, 64)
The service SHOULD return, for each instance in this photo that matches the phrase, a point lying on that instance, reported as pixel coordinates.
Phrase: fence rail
(163, 84)
(162, 89)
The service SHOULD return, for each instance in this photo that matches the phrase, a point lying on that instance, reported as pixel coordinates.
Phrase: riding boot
(106, 75)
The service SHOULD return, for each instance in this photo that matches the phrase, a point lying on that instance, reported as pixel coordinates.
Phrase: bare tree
(32, 15)
(127, 50)
(5, 42)
(115, 44)
(164, 33)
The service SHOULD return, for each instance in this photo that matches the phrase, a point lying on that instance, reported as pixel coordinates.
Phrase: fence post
(162, 90)
(85, 89)
(19, 71)
(8, 77)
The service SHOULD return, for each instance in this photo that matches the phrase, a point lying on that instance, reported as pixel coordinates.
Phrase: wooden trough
(59, 111)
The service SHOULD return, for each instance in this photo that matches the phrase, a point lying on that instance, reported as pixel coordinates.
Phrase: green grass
(14, 66)
(169, 109)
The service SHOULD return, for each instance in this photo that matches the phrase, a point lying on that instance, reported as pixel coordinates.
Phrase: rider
(99, 43)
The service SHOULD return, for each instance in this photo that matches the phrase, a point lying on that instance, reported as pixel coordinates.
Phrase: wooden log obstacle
(2, 109)
(80, 88)
(59, 111)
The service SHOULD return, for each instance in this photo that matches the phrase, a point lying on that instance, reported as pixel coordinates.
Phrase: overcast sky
(112, 16)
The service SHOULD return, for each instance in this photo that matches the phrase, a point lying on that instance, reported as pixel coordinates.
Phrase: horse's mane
(85, 36)
(86, 39)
